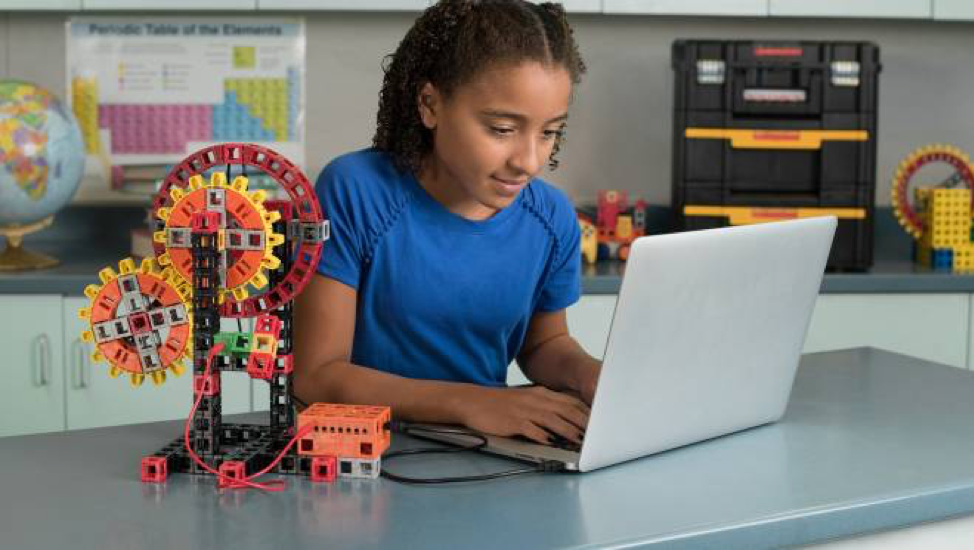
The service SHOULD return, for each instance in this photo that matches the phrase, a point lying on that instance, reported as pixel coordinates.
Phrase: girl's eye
(501, 131)
(554, 134)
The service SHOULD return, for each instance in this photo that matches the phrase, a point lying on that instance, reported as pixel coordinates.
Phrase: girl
(448, 258)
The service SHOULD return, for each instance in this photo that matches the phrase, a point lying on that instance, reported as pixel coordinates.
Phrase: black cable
(297, 399)
(547, 466)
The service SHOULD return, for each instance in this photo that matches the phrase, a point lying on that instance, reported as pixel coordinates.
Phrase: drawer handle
(78, 381)
(43, 361)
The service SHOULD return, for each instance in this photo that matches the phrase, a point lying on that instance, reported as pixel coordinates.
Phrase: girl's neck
(449, 192)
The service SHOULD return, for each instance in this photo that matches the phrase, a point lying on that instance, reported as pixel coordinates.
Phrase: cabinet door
(928, 326)
(578, 6)
(588, 323)
(953, 10)
(912, 9)
(32, 392)
(169, 5)
(95, 399)
(758, 8)
(40, 5)
(362, 5)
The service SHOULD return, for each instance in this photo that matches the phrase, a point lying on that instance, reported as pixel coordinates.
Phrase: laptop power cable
(406, 428)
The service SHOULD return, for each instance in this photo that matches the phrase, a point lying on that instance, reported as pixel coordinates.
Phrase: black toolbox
(777, 130)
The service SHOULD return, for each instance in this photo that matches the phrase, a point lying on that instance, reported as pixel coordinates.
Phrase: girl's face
(492, 135)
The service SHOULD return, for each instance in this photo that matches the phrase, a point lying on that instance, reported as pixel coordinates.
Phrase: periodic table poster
(151, 90)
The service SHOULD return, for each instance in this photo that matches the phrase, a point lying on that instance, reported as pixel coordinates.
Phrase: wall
(620, 129)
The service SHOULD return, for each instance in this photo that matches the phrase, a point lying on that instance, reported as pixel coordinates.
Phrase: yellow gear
(902, 209)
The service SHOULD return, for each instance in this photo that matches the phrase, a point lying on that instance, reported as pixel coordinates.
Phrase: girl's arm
(552, 358)
(324, 328)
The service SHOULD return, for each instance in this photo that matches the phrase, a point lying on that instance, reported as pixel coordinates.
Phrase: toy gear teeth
(139, 321)
(246, 240)
(903, 207)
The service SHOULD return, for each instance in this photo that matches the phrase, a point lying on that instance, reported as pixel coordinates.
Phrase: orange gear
(247, 239)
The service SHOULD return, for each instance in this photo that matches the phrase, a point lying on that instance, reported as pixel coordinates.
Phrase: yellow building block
(964, 257)
(948, 217)
(624, 227)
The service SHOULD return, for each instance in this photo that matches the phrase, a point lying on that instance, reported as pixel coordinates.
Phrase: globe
(42, 159)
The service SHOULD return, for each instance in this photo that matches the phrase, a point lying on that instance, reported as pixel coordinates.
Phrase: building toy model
(222, 251)
(939, 216)
(616, 225)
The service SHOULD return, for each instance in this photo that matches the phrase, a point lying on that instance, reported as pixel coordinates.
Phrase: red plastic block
(154, 469)
(209, 387)
(231, 471)
(139, 323)
(206, 222)
(286, 208)
(267, 324)
(323, 468)
(260, 365)
(284, 364)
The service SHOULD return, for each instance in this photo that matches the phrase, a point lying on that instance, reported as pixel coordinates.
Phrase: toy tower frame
(242, 449)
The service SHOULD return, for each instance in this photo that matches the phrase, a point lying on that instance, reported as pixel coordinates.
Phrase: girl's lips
(509, 187)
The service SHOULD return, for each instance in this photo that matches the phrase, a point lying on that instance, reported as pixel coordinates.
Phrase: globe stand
(14, 257)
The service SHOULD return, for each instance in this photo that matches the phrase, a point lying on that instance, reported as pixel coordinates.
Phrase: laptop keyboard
(562, 443)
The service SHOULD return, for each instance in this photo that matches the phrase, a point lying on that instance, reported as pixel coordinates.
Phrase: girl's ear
(428, 102)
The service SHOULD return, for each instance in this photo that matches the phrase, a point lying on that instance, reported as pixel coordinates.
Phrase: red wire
(235, 483)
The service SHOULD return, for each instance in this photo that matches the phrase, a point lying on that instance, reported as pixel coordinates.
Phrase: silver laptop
(705, 340)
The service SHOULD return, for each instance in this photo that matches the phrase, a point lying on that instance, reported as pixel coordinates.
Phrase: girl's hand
(587, 379)
(533, 412)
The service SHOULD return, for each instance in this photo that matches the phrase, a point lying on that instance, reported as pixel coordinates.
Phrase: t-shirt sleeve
(342, 254)
(563, 286)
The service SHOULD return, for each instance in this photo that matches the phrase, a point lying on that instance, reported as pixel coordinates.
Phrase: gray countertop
(89, 239)
(80, 266)
(871, 440)
(886, 276)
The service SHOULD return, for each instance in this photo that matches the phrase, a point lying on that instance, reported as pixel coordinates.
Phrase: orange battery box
(345, 431)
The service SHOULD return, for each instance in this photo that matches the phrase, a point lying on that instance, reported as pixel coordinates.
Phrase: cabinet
(41, 5)
(934, 327)
(588, 323)
(929, 326)
(169, 5)
(51, 384)
(915, 9)
(956, 10)
(94, 399)
(756, 8)
(338, 5)
(32, 392)
(579, 6)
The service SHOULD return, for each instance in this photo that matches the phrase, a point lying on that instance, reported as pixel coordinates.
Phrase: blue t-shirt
(441, 297)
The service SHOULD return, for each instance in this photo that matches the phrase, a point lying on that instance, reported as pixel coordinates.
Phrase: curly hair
(449, 45)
